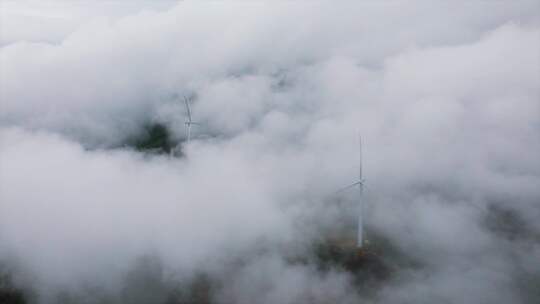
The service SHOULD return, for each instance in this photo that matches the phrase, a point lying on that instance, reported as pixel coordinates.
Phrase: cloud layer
(446, 97)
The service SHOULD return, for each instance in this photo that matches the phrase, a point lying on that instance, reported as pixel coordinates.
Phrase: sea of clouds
(445, 95)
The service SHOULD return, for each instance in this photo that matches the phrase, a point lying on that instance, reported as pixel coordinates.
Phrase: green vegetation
(198, 291)
(371, 266)
(155, 138)
(8, 293)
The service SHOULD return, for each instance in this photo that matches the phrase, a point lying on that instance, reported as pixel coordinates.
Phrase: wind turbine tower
(360, 184)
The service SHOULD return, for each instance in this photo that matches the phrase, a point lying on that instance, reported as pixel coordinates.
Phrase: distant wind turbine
(189, 121)
(360, 184)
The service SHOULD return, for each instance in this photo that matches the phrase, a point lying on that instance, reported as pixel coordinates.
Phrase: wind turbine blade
(349, 186)
(360, 168)
(188, 109)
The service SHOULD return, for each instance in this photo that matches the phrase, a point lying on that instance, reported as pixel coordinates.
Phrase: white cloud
(445, 95)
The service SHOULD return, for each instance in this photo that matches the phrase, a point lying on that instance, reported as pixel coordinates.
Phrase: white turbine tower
(189, 121)
(360, 184)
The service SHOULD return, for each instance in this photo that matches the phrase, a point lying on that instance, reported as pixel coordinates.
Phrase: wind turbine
(188, 124)
(360, 183)
(189, 121)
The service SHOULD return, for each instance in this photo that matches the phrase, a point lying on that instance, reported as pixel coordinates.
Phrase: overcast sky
(445, 95)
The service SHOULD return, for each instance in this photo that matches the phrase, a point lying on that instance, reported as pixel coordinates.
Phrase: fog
(446, 97)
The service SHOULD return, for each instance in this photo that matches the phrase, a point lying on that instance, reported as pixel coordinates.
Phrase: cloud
(446, 100)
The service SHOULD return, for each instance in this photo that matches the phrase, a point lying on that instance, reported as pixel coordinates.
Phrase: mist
(103, 199)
